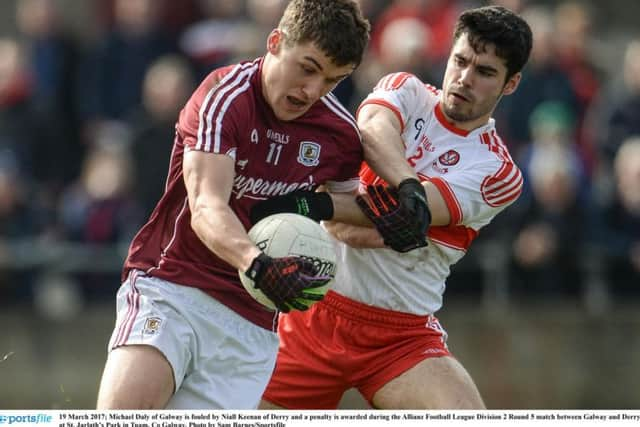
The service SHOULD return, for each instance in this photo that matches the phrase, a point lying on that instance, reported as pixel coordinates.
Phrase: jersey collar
(444, 122)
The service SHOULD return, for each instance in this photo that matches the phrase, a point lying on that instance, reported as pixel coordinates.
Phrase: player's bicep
(208, 179)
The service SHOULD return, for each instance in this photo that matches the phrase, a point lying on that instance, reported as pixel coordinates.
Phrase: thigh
(434, 383)
(232, 358)
(309, 370)
(135, 377)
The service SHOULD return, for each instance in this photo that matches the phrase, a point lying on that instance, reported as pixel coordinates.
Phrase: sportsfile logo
(23, 419)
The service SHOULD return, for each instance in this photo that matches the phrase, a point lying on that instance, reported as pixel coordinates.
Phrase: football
(286, 234)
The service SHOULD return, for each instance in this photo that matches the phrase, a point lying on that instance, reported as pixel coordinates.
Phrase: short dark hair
(508, 32)
(337, 27)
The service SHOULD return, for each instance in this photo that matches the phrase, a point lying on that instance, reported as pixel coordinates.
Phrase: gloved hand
(315, 205)
(413, 197)
(285, 280)
(396, 224)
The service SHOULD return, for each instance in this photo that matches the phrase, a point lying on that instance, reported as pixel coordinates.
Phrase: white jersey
(476, 177)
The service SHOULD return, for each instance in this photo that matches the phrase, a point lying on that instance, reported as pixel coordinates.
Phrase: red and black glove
(397, 224)
(285, 280)
(315, 205)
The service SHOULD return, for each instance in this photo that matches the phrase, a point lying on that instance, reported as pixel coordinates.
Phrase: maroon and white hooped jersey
(476, 177)
(228, 115)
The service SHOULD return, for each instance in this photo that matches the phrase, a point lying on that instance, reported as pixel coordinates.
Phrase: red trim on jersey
(382, 82)
(455, 210)
(444, 122)
(495, 144)
(505, 186)
(392, 81)
(399, 80)
(431, 88)
(457, 237)
(384, 103)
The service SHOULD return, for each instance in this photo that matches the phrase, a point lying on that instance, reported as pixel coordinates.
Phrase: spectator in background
(549, 219)
(542, 80)
(52, 55)
(573, 38)
(403, 44)
(618, 114)
(166, 88)
(32, 136)
(616, 227)
(401, 47)
(111, 85)
(98, 207)
(438, 18)
(51, 61)
(223, 34)
(16, 117)
(20, 219)
(264, 15)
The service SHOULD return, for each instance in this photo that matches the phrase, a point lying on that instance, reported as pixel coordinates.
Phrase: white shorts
(220, 360)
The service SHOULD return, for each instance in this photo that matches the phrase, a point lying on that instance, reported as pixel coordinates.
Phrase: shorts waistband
(361, 312)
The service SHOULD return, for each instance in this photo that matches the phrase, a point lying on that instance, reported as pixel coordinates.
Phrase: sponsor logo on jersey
(261, 189)
(419, 124)
(151, 325)
(278, 137)
(309, 153)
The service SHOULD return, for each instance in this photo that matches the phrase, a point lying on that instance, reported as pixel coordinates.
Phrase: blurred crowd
(87, 126)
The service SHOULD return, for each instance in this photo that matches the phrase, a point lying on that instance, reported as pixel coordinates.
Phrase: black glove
(412, 197)
(285, 280)
(314, 205)
(396, 224)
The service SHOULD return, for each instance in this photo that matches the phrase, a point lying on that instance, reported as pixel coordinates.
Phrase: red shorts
(339, 344)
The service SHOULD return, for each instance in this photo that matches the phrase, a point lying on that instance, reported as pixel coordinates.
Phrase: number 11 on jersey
(274, 153)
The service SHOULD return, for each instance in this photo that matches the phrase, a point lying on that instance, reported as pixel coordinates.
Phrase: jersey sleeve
(404, 94)
(209, 121)
(347, 136)
(476, 194)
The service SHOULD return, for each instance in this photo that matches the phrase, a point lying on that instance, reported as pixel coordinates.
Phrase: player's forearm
(345, 209)
(384, 148)
(354, 236)
(222, 232)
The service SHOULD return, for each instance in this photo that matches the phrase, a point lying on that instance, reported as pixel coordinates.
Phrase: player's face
(295, 77)
(473, 84)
